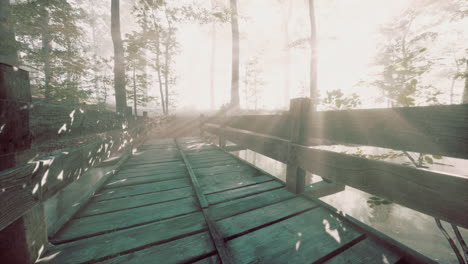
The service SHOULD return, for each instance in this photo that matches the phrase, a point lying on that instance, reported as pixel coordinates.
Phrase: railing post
(298, 114)
(222, 139)
(26, 238)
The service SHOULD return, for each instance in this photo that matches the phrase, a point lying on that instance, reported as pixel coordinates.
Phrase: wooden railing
(290, 138)
(25, 186)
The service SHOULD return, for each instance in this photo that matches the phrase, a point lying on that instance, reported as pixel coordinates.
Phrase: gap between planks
(218, 240)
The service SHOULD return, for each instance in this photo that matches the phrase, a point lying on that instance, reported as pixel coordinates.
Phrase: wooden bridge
(186, 201)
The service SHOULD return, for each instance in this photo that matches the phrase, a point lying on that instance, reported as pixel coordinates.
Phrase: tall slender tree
(119, 61)
(212, 59)
(235, 55)
(465, 90)
(314, 95)
(8, 53)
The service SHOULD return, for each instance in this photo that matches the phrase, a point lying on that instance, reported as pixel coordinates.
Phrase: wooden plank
(133, 190)
(276, 125)
(214, 163)
(270, 146)
(215, 170)
(132, 202)
(408, 186)
(112, 244)
(222, 184)
(150, 160)
(126, 172)
(153, 167)
(116, 183)
(209, 260)
(193, 178)
(440, 129)
(364, 252)
(178, 251)
(306, 238)
(150, 173)
(104, 223)
(243, 192)
(227, 209)
(255, 219)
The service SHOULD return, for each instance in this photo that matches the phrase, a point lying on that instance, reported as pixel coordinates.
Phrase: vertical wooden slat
(298, 113)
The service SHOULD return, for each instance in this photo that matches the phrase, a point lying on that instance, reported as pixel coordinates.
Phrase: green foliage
(337, 100)
(51, 41)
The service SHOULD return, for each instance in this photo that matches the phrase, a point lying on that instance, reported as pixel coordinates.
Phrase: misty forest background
(183, 55)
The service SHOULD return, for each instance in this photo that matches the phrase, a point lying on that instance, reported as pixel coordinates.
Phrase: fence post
(299, 109)
(26, 238)
(222, 140)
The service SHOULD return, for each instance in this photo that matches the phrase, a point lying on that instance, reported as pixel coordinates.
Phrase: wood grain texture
(434, 193)
(132, 190)
(132, 202)
(251, 220)
(112, 244)
(304, 238)
(441, 129)
(177, 251)
(243, 192)
(116, 183)
(98, 224)
(193, 178)
(227, 209)
(270, 146)
(223, 183)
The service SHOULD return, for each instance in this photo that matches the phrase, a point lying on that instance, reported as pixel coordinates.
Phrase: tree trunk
(46, 51)
(212, 59)
(313, 54)
(465, 91)
(158, 69)
(8, 52)
(119, 63)
(134, 93)
(287, 64)
(235, 55)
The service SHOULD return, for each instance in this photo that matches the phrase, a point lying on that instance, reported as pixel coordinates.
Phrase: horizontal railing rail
(23, 187)
(438, 130)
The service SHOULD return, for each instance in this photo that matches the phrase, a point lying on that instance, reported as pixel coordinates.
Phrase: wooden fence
(23, 187)
(290, 138)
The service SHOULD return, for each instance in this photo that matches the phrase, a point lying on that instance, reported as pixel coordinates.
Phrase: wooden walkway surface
(186, 201)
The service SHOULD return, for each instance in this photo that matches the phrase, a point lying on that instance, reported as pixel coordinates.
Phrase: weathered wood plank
(116, 183)
(153, 167)
(209, 260)
(227, 209)
(214, 163)
(178, 251)
(193, 178)
(104, 223)
(364, 252)
(391, 181)
(305, 238)
(276, 125)
(133, 190)
(438, 194)
(215, 170)
(270, 146)
(132, 202)
(150, 173)
(255, 219)
(113, 244)
(223, 183)
(440, 129)
(243, 192)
